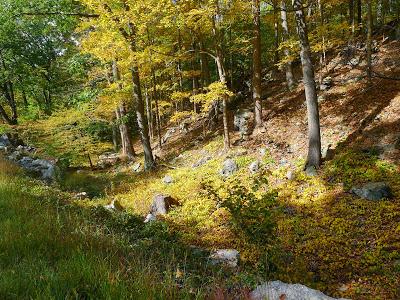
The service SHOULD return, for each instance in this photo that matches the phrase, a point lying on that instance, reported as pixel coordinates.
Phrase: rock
(229, 257)
(5, 141)
(150, 218)
(81, 196)
(290, 175)
(26, 149)
(137, 167)
(311, 171)
(108, 159)
(242, 121)
(283, 162)
(15, 156)
(201, 161)
(327, 152)
(278, 290)
(326, 84)
(373, 191)
(170, 132)
(168, 179)
(229, 167)
(184, 126)
(114, 206)
(254, 167)
(321, 98)
(162, 204)
(263, 151)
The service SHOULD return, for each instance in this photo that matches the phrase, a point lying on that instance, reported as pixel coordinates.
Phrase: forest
(200, 149)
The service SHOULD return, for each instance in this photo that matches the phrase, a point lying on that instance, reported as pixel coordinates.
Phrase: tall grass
(52, 250)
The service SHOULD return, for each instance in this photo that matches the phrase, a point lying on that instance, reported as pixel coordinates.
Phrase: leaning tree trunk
(314, 133)
(141, 120)
(257, 64)
(285, 35)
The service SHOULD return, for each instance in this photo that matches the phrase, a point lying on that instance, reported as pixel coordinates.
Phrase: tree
(257, 64)
(314, 134)
(285, 36)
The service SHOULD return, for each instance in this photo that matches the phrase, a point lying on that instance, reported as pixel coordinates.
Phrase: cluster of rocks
(21, 154)
(243, 122)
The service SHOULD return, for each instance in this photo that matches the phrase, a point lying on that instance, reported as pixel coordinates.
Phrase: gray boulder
(162, 204)
(168, 179)
(254, 167)
(5, 141)
(229, 167)
(46, 169)
(290, 175)
(373, 191)
(278, 290)
(15, 156)
(228, 257)
(326, 84)
(242, 121)
(170, 132)
(108, 159)
(202, 161)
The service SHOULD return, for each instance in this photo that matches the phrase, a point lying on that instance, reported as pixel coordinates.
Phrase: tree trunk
(205, 70)
(115, 136)
(257, 64)
(158, 119)
(369, 41)
(149, 113)
(359, 13)
(219, 59)
(5, 117)
(126, 142)
(141, 120)
(314, 134)
(351, 16)
(285, 35)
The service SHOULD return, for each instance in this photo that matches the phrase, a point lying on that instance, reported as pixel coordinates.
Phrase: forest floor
(304, 229)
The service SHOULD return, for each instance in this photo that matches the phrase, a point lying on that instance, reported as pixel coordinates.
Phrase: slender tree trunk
(222, 76)
(25, 99)
(314, 134)
(149, 113)
(369, 41)
(126, 142)
(291, 83)
(359, 13)
(257, 64)
(141, 120)
(158, 119)
(351, 16)
(115, 135)
(205, 70)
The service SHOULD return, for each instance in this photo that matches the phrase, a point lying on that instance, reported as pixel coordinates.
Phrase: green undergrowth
(52, 249)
